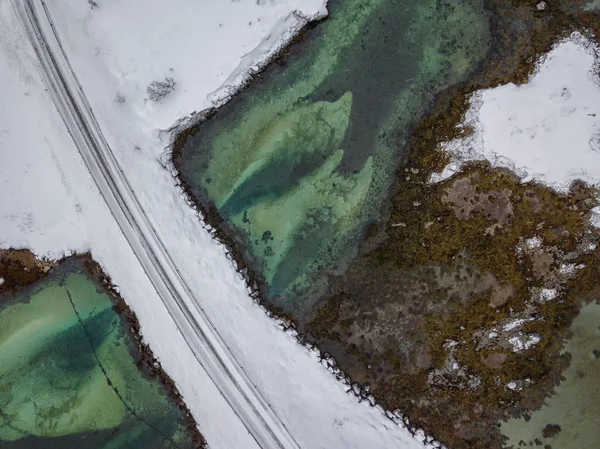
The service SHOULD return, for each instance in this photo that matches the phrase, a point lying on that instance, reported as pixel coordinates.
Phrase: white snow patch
(548, 294)
(522, 342)
(515, 323)
(569, 269)
(208, 47)
(595, 218)
(546, 130)
(534, 242)
(512, 385)
(449, 344)
(38, 208)
(518, 385)
(449, 170)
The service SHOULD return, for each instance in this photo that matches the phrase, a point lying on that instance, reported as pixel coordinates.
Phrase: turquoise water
(53, 391)
(300, 162)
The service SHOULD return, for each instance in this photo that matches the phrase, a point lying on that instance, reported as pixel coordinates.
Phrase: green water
(593, 5)
(300, 162)
(53, 393)
(575, 406)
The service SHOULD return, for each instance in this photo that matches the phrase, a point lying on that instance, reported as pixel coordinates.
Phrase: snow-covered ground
(50, 204)
(547, 129)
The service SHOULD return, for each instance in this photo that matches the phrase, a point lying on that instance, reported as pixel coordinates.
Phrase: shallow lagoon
(68, 379)
(300, 162)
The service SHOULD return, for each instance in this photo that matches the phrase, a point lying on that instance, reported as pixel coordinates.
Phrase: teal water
(53, 392)
(575, 405)
(300, 162)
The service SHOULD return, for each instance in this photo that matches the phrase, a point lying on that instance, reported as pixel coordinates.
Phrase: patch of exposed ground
(449, 319)
(456, 310)
(20, 269)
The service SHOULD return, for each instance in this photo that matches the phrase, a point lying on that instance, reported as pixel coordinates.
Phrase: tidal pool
(300, 162)
(67, 377)
(569, 418)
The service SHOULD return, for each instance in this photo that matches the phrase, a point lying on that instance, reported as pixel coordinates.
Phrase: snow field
(50, 204)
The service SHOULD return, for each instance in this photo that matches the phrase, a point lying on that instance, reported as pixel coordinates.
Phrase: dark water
(300, 162)
(53, 393)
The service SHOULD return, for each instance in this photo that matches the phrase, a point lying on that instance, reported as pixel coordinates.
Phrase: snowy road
(197, 329)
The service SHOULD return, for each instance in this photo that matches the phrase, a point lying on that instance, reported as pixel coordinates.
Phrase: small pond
(68, 375)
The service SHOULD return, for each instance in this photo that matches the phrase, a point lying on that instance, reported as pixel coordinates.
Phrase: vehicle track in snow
(181, 302)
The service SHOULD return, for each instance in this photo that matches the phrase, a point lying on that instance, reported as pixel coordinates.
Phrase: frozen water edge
(254, 61)
(56, 208)
(548, 129)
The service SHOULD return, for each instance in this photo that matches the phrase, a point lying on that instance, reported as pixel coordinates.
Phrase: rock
(541, 6)
(551, 430)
